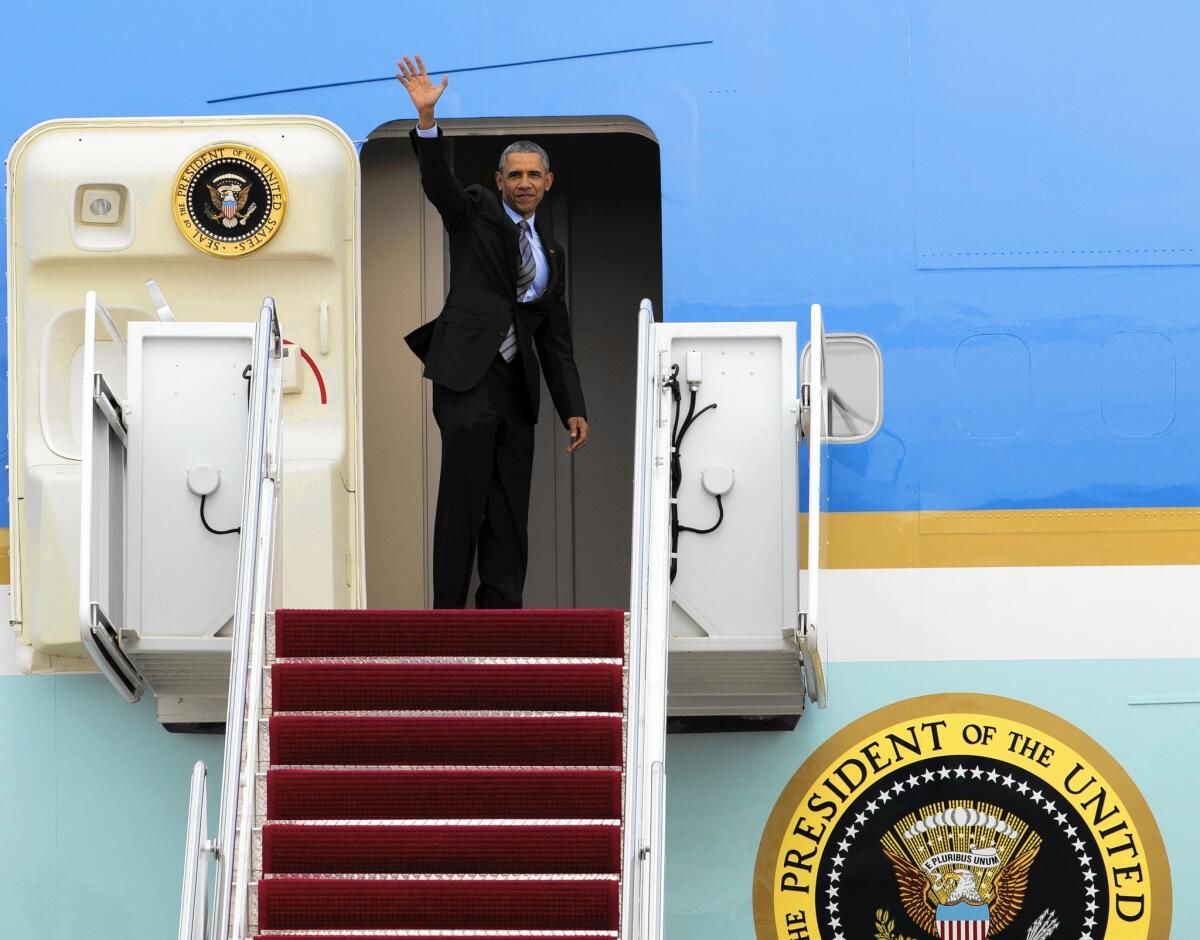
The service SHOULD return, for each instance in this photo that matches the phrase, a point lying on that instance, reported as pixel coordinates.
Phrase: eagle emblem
(229, 200)
(229, 194)
(962, 868)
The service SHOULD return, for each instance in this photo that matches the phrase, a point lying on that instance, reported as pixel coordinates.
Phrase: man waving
(507, 296)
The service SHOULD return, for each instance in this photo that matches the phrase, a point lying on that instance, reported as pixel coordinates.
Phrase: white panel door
(103, 602)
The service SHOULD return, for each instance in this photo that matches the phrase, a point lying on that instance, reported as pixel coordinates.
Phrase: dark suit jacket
(459, 346)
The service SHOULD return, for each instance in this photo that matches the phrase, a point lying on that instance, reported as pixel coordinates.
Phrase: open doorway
(605, 209)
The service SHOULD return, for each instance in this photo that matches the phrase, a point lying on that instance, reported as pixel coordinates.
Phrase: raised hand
(424, 93)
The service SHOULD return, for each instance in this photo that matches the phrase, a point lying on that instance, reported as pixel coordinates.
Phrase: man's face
(524, 182)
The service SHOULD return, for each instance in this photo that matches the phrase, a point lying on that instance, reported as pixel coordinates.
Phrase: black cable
(693, 418)
(678, 432)
(247, 374)
(673, 384)
(676, 471)
(210, 528)
(712, 528)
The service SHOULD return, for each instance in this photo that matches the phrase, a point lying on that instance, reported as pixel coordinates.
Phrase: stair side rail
(256, 556)
(645, 789)
(266, 572)
(198, 851)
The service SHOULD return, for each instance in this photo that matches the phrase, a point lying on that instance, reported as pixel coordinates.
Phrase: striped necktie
(526, 272)
(527, 269)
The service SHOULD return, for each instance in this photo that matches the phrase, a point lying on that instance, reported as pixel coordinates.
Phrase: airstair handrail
(648, 610)
(197, 851)
(263, 577)
(255, 567)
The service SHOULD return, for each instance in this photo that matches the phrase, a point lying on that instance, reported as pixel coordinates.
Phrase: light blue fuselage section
(1002, 197)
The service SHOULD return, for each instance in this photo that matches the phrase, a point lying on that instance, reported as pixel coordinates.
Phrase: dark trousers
(483, 496)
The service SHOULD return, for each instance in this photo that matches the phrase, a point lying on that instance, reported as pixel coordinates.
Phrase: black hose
(678, 432)
(712, 528)
(676, 471)
(247, 374)
(210, 528)
(693, 417)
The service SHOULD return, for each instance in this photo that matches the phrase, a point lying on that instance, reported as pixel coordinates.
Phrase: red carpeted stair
(441, 774)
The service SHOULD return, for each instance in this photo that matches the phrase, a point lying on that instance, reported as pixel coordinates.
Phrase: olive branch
(885, 927)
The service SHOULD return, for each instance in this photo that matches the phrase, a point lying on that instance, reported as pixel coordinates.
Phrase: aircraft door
(220, 211)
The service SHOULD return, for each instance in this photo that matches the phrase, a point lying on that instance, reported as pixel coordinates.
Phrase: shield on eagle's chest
(963, 921)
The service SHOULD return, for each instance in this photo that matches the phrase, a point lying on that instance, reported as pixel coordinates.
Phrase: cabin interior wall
(616, 247)
(393, 391)
(605, 209)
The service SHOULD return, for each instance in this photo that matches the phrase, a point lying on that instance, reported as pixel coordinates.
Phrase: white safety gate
(166, 441)
(742, 634)
(104, 495)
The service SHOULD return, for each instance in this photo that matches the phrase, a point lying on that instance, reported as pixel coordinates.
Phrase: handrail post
(193, 909)
(645, 781)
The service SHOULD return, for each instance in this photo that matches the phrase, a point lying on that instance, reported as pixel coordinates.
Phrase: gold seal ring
(229, 199)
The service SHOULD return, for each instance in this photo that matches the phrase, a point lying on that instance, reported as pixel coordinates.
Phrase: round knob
(203, 480)
(717, 479)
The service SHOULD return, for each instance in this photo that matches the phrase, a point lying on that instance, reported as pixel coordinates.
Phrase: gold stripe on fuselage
(986, 538)
(1008, 538)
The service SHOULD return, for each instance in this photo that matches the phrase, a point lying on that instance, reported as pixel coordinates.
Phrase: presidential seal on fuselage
(229, 199)
(961, 817)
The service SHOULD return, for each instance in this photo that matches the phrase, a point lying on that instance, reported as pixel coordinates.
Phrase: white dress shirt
(542, 275)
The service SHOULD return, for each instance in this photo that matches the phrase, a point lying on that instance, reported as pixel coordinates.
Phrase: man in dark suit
(507, 296)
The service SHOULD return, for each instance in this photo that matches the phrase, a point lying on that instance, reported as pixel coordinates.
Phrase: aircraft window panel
(992, 387)
(854, 374)
(1138, 384)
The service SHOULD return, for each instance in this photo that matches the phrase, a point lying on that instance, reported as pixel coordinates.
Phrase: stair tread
(425, 935)
(518, 792)
(496, 685)
(440, 903)
(453, 768)
(416, 823)
(483, 713)
(451, 660)
(570, 738)
(438, 877)
(478, 848)
(450, 632)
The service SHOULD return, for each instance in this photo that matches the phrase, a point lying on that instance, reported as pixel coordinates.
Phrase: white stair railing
(649, 608)
(256, 562)
(198, 851)
(645, 791)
